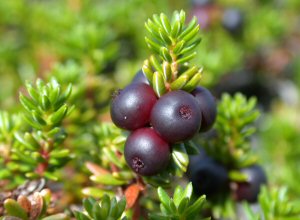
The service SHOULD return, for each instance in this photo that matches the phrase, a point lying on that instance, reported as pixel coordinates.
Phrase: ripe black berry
(208, 107)
(233, 21)
(207, 176)
(249, 190)
(176, 116)
(140, 78)
(131, 107)
(146, 152)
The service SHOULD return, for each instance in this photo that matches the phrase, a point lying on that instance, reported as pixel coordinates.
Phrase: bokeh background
(251, 47)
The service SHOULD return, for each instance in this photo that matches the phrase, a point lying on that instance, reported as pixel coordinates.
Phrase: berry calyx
(131, 107)
(207, 104)
(176, 116)
(146, 152)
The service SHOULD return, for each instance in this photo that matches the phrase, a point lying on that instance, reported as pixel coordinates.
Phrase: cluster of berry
(157, 123)
(211, 178)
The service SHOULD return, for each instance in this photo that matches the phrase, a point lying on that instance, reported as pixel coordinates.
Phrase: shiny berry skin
(176, 116)
(146, 152)
(249, 190)
(208, 107)
(131, 107)
(140, 78)
(207, 176)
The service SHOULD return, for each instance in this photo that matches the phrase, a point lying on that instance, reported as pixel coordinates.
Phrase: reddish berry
(176, 116)
(131, 107)
(249, 190)
(146, 152)
(208, 107)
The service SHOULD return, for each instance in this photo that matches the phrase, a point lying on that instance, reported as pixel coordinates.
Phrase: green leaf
(22, 140)
(121, 207)
(158, 84)
(167, 72)
(193, 83)
(148, 73)
(27, 103)
(112, 156)
(153, 216)
(191, 34)
(152, 45)
(81, 216)
(32, 92)
(179, 83)
(193, 23)
(96, 212)
(195, 208)
(37, 117)
(237, 176)
(45, 103)
(155, 63)
(58, 116)
(172, 207)
(107, 179)
(176, 29)
(164, 198)
(164, 37)
(182, 17)
(13, 208)
(165, 22)
(191, 148)
(180, 156)
(186, 58)
(60, 153)
(183, 205)
(187, 193)
(190, 47)
(105, 206)
(178, 47)
(177, 196)
(165, 54)
(190, 72)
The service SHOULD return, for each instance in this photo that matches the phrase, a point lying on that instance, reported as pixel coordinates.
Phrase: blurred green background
(247, 46)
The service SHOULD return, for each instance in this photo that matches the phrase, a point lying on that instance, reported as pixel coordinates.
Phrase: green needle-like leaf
(158, 84)
(163, 197)
(165, 54)
(193, 82)
(179, 83)
(165, 23)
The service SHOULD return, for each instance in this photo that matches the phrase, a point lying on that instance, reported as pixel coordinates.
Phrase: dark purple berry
(233, 21)
(249, 190)
(140, 78)
(146, 152)
(208, 107)
(176, 116)
(207, 176)
(131, 107)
